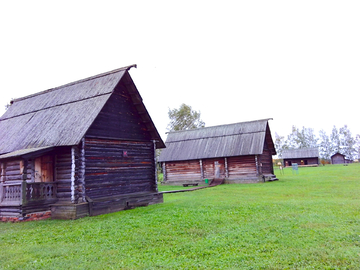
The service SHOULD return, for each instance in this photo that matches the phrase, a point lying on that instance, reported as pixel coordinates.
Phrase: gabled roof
(61, 116)
(337, 154)
(300, 153)
(239, 139)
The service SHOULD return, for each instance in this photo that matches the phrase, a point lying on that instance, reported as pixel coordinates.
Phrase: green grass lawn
(305, 221)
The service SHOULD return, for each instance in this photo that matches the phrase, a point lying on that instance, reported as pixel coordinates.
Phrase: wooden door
(44, 169)
(219, 169)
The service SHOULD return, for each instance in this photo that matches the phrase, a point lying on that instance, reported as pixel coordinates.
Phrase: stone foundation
(28, 217)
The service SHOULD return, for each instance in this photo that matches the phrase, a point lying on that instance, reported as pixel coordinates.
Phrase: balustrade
(10, 192)
(23, 192)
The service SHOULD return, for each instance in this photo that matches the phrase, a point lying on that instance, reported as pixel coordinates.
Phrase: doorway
(219, 168)
(44, 169)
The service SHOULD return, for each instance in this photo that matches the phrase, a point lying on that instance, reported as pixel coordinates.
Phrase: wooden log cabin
(237, 153)
(302, 157)
(84, 148)
(339, 158)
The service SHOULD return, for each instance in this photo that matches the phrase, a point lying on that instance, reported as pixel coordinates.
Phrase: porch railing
(21, 193)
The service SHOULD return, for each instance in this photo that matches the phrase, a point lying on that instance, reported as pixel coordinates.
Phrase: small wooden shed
(237, 153)
(302, 156)
(339, 158)
(84, 148)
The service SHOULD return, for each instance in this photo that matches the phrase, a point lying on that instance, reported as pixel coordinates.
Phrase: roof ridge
(201, 128)
(74, 82)
(304, 148)
(217, 136)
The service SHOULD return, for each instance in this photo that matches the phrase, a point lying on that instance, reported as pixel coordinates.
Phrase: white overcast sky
(297, 62)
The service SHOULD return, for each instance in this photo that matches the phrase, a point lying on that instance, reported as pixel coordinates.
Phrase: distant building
(302, 156)
(339, 158)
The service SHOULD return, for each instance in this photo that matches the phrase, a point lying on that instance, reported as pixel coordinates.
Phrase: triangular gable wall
(119, 118)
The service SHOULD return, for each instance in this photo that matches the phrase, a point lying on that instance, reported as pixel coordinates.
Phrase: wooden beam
(82, 170)
(3, 170)
(226, 168)
(155, 163)
(2, 180)
(164, 171)
(73, 167)
(23, 192)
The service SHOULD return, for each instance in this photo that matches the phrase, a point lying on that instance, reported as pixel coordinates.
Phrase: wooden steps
(216, 182)
(270, 177)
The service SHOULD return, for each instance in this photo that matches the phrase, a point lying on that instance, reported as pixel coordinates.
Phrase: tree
(357, 145)
(335, 140)
(343, 142)
(325, 145)
(304, 138)
(339, 140)
(184, 118)
(347, 143)
(280, 144)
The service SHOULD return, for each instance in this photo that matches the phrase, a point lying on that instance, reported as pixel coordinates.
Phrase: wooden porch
(19, 198)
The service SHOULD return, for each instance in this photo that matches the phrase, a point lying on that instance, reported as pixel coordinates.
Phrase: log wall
(116, 167)
(212, 165)
(63, 168)
(337, 159)
(12, 170)
(183, 172)
(119, 119)
(241, 169)
(266, 161)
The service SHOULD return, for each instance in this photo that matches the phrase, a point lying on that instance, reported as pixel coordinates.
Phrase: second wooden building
(237, 153)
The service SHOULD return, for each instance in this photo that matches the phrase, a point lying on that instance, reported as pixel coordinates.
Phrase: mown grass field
(305, 221)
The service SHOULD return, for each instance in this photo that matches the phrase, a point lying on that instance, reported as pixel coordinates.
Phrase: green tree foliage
(325, 147)
(357, 145)
(280, 144)
(304, 138)
(347, 142)
(335, 140)
(343, 142)
(184, 118)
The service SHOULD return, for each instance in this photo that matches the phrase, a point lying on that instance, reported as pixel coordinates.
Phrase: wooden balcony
(23, 193)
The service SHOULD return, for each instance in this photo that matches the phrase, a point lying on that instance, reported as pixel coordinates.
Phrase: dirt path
(213, 183)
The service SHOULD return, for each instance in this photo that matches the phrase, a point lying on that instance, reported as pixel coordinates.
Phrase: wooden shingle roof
(239, 139)
(61, 116)
(300, 153)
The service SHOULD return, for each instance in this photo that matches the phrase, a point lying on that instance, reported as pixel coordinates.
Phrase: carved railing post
(23, 192)
(23, 183)
(2, 180)
(1, 192)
